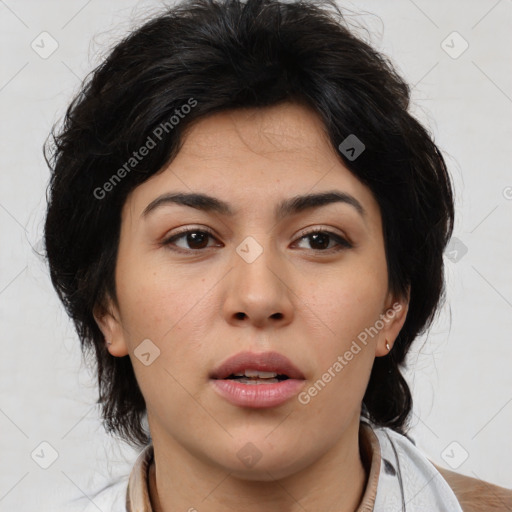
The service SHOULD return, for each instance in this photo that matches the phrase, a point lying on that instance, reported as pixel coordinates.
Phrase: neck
(336, 481)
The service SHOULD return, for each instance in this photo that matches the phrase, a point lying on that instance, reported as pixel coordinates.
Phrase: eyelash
(342, 242)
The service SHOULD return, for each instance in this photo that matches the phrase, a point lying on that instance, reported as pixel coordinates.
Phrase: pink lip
(257, 395)
(266, 362)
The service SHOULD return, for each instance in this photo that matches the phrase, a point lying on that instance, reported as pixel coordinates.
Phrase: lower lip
(257, 396)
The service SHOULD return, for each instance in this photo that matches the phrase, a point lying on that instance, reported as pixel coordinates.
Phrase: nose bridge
(253, 264)
(257, 291)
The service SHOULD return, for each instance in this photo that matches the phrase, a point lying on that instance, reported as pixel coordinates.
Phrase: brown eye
(191, 240)
(320, 240)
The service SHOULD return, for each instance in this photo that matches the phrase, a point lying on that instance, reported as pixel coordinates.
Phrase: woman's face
(253, 279)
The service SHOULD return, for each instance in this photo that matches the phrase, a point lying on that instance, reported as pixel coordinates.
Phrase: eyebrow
(286, 208)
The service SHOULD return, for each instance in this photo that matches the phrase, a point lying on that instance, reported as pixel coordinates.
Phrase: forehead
(287, 127)
(254, 156)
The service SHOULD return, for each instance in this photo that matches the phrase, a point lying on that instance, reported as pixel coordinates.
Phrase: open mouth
(257, 377)
(257, 381)
(248, 367)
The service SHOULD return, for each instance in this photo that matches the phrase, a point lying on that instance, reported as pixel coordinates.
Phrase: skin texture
(188, 304)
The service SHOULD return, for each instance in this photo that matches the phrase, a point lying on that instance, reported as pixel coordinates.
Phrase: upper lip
(265, 361)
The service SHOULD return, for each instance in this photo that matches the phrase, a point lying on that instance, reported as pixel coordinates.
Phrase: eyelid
(343, 242)
(188, 228)
(166, 240)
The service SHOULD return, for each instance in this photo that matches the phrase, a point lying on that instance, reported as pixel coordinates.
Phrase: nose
(258, 293)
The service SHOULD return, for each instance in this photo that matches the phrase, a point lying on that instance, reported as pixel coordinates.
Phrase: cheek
(348, 305)
(156, 299)
(342, 361)
(176, 312)
(344, 304)
(176, 315)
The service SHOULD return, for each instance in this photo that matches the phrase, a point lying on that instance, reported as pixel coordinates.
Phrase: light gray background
(461, 377)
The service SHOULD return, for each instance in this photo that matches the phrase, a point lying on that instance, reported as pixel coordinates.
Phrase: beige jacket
(476, 495)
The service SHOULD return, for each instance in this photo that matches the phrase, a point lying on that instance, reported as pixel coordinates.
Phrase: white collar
(408, 482)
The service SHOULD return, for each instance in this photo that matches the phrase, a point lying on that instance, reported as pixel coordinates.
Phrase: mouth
(257, 380)
(257, 377)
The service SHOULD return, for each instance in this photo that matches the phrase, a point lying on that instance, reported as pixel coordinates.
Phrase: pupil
(195, 237)
(316, 236)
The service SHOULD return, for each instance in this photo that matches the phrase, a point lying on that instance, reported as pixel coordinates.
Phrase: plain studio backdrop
(455, 55)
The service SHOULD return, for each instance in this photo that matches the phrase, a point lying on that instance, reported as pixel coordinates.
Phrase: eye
(320, 240)
(198, 239)
(194, 240)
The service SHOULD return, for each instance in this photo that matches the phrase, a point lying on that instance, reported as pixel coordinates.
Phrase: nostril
(240, 316)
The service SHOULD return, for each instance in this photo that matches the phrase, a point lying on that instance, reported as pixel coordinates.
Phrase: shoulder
(476, 495)
(470, 494)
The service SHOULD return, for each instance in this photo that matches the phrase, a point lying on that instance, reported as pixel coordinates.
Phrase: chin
(262, 461)
(268, 471)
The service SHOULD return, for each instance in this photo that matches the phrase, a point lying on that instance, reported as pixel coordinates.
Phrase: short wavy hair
(228, 54)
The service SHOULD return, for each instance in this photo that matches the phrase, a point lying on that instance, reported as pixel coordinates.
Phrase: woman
(247, 228)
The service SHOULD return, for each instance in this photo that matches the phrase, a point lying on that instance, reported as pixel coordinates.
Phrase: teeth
(257, 374)
(260, 375)
(254, 381)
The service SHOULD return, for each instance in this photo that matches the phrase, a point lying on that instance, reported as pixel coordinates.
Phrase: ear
(108, 319)
(393, 317)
